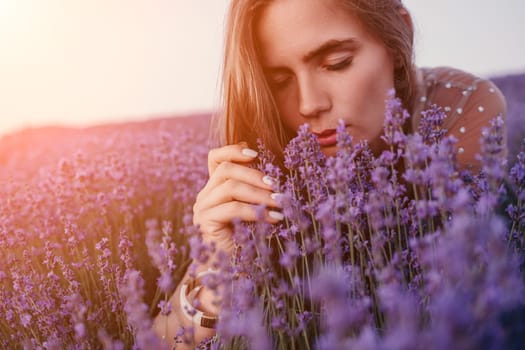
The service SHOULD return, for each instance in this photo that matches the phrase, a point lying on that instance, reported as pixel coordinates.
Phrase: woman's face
(322, 66)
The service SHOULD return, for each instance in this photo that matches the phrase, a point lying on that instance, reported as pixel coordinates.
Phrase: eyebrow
(323, 49)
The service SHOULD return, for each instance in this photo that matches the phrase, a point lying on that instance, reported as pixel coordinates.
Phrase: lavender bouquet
(398, 251)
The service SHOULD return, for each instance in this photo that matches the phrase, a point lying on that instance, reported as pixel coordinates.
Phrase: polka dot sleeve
(484, 104)
(469, 103)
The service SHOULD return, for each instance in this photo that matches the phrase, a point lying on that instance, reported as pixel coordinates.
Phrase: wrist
(196, 301)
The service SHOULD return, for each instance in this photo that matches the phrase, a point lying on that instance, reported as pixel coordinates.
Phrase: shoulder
(470, 103)
(461, 92)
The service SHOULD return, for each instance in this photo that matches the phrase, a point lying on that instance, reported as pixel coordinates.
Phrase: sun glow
(15, 15)
(24, 46)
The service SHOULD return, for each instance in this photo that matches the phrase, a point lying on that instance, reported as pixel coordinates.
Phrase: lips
(324, 132)
(327, 137)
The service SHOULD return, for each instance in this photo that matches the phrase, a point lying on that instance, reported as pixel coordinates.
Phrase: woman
(290, 62)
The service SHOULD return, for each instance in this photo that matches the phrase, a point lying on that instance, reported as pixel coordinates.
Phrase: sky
(87, 62)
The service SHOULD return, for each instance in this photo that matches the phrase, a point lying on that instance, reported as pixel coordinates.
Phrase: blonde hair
(249, 111)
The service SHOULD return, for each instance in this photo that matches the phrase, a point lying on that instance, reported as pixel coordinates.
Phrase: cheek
(366, 96)
(376, 86)
(364, 102)
(287, 110)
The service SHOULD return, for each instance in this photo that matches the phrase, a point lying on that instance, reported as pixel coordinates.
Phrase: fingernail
(275, 215)
(249, 152)
(268, 180)
(275, 196)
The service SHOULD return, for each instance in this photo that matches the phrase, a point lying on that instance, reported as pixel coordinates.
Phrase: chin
(329, 151)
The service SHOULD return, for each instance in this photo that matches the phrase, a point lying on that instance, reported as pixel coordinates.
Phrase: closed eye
(339, 65)
(279, 81)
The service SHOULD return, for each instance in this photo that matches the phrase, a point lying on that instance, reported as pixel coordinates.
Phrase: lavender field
(95, 234)
(513, 88)
(83, 214)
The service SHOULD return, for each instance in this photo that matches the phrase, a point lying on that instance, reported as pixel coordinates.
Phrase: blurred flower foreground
(87, 218)
(96, 233)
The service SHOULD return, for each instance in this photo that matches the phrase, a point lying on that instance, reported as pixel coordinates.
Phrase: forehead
(289, 28)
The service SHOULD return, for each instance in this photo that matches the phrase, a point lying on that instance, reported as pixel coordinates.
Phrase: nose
(313, 99)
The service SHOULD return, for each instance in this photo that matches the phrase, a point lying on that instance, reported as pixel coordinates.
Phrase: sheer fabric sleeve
(484, 104)
(470, 104)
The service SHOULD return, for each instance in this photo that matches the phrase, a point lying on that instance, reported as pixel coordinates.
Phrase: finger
(239, 153)
(215, 218)
(234, 190)
(227, 170)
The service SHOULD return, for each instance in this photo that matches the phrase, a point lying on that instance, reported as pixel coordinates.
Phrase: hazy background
(84, 62)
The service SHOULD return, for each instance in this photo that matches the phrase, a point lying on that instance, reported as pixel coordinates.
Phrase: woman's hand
(232, 191)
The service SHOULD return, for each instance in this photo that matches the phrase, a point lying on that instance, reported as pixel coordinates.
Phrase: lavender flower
(431, 125)
(136, 312)
(393, 250)
(395, 118)
(72, 214)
